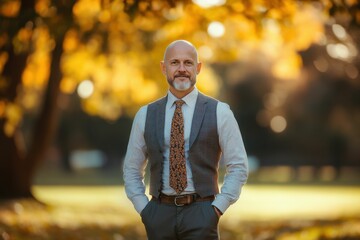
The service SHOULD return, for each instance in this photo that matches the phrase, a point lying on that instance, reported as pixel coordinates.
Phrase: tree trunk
(17, 171)
(47, 122)
(18, 168)
(13, 182)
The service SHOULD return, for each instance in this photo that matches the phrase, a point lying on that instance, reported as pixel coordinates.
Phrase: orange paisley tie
(177, 150)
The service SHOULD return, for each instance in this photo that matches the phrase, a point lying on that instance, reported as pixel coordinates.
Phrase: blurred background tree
(289, 69)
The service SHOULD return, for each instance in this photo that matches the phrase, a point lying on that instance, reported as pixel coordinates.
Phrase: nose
(182, 67)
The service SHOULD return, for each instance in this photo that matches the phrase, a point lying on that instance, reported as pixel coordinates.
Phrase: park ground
(284, 212)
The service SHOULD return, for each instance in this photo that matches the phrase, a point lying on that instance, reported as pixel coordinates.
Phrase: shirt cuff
(140, 202)
(221, 203)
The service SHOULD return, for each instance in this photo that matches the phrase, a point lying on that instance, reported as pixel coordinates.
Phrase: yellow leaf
(2, 109)
(145, 92)
(30, 100)
(43, 8)
(13, 115)
(3, 59)
(71, 41)
(208, 82)
(287, 66)
(9, 129)
(10, 8)
(68, 85)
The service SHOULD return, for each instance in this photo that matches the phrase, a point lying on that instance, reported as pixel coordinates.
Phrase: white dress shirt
(231, 144)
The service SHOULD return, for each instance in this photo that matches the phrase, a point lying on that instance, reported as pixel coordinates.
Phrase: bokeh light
(209, 3)
(278, 124)
(205, 52)
(339, 31)
(216, 29)
(85, 89)
(338, 50)
(289, 71)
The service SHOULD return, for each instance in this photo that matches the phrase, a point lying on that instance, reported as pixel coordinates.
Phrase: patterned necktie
(177, 150)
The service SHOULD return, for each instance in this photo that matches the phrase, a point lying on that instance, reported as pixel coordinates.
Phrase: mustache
(182, 75)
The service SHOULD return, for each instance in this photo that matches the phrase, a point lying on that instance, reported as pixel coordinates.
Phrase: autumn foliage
(108, 52)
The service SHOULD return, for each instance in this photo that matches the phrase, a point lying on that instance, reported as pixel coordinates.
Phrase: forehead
(181, 51)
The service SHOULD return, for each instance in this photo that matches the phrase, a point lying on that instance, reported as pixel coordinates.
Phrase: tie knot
(179, 103)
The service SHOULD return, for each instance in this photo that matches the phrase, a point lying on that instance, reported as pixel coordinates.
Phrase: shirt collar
(190, 99)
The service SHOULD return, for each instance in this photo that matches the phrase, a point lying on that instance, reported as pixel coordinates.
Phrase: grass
(263, 212)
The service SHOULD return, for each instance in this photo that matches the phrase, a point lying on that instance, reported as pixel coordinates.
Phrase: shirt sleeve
(135, 163)
(234, 157)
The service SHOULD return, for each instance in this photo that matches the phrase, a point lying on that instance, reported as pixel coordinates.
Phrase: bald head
(182, 44)
(180, 66)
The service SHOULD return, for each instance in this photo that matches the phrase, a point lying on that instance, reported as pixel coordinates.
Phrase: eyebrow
(177, 59)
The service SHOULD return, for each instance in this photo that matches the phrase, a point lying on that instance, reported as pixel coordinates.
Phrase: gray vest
(204, 149)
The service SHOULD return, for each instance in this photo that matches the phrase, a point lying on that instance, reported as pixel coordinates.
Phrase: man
(182, 136)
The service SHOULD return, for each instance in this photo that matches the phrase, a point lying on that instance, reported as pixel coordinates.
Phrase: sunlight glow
(216, 29)
(85, 89)
(257, 202)
(300, 202)
(209, 3)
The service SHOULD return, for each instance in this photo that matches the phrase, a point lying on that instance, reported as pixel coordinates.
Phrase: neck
(180, 94)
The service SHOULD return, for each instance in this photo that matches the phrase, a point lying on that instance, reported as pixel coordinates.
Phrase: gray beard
(181, 86)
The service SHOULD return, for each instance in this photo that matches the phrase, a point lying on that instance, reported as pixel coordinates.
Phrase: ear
(163, 67)
(198, 67)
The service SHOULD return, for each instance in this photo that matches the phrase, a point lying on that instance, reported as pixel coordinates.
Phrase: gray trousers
(196, 221)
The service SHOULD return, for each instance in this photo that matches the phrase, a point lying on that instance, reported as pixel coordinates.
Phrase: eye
(189, 63)
(173, 63)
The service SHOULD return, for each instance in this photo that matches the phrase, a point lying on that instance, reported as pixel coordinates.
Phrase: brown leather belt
(181, 200)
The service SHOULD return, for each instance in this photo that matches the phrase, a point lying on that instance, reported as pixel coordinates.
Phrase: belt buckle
(175, 201)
